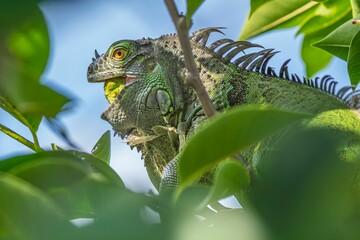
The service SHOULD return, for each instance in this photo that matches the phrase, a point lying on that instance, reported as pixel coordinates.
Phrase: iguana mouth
(114, 85)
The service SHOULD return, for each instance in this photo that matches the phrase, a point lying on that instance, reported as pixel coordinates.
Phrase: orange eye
(119, 54)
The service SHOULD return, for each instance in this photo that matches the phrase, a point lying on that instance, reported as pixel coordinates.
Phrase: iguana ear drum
(164, 101)
(160, 98)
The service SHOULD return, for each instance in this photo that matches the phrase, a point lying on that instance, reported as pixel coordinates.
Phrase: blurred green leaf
(102, 149)
(273, 14)
(355, 7)
(24, 45)
(66, 176)
(86, 160)
(192, 6)
(227, 134)
(338, 42)
(70, 179)
(354, 60)
(30, 121)
(68, 192)
(122, 215)
(306, 191)
(192, 199)
(232, 224)
(27, 213)
(47, 171)
(230, 178)
(100, 166)
(29, 44)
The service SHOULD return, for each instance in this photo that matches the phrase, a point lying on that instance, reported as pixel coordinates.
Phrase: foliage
(44, 193)
(325, 25)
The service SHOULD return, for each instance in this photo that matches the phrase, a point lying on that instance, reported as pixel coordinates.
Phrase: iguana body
(151, 106)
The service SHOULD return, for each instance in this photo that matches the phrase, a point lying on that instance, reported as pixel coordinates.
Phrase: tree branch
(192, 77)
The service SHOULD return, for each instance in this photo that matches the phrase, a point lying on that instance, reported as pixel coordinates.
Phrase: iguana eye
(119, 54)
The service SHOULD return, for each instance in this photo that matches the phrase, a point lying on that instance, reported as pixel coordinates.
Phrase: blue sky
(78, 27)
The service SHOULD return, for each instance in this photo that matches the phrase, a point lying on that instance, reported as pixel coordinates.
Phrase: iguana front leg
(170, 175)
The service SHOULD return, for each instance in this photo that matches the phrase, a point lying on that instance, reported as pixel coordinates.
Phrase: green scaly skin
(156, 112)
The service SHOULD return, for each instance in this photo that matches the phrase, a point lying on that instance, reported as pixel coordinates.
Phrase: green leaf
(226, 135)
(315, 59)
(101, 167)
(354, 60)
(47, 171)
(73, 193)
(355, 7)
(30, 121)
(231, 224)
(29, 44)
(102, 148)
(325, 15)
(273, 14)
(230, 178)
(193, 199)
(123, 215)
(255, 4)
(27, 213)
(24, 46)
(192, 6)
(47, 174)
(338, 42)
(306, 188)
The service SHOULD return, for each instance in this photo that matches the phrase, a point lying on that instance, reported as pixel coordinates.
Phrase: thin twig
(8, 107)
(19, 138)
(192, 77)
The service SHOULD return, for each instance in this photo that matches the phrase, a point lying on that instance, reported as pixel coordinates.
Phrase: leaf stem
(355, 4)
(20, 138)
(36, 141)
(9, 108)
(192, 77)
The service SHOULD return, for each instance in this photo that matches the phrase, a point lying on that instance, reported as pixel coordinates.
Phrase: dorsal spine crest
(228, 49)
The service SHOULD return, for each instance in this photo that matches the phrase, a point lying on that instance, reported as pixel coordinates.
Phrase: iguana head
(138, 84)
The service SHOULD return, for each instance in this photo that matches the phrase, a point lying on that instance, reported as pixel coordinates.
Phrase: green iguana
(156, 112)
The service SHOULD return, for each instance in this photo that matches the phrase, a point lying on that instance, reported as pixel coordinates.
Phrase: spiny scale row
(227, 49)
